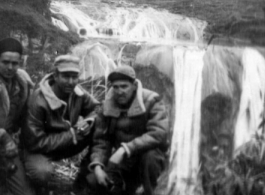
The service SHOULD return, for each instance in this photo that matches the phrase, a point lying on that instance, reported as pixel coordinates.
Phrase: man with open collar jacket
(133, 123)
(53, 129)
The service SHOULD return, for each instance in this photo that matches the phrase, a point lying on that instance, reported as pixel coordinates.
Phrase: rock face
(96, 60)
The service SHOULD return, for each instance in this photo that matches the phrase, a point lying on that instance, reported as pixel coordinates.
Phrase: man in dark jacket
(15, 86)
(134, 124)
(53, 129)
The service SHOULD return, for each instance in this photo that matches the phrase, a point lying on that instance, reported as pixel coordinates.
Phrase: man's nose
(70, 80)
(119, 91)
(10, 66)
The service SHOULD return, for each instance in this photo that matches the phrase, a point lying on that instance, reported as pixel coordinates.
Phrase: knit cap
(122, 73)
(11, 45)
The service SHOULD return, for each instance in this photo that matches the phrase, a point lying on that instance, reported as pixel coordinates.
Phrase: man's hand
(118, 156)
(83, 127)
(102, 177)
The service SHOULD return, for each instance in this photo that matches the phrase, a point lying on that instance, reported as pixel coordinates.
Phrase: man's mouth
(121, 98)
(69, 88)
(9, 74)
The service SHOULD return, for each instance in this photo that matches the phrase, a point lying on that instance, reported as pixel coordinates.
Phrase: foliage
(41, 6)
(29, 21)
(97, 88)
(244, 175)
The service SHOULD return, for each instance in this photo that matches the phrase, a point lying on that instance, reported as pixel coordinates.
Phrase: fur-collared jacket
(14, 100)
(49, 120)
(144, 126)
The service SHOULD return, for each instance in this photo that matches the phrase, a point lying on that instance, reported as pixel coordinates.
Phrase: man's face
(123, 91)
(9, 63)
(66, 81)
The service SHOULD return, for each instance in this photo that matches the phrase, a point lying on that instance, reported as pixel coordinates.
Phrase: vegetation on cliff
(30, 22)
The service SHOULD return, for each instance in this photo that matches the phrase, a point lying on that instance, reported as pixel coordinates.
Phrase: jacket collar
(19, 83)
(137, 107)
(53, 101)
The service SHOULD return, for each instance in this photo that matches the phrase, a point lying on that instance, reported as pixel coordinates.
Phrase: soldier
(134, 124)
(53, 130)
(15, 85)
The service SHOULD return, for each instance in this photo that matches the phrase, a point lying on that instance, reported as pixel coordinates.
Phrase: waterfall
(130, 23)
(184, 158)
(251, 112)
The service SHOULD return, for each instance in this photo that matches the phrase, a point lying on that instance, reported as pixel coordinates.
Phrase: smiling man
(15, 85)
(53, 128)
(133, 124)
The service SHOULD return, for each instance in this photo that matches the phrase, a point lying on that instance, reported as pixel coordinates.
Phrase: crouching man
(53, 129)
(134, 124)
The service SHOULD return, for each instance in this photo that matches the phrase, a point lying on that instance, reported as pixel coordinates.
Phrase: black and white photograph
(132, 97)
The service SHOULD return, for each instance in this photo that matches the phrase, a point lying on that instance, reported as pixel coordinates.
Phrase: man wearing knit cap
(134, 124)
(53, 128)
(15, 85)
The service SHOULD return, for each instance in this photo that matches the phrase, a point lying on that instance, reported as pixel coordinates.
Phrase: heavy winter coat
(144, 126)
(49, 119)
(14, 100)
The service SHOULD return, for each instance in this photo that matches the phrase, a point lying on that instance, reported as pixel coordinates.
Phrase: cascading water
(251, 111)
(130, 23)
(169, 44)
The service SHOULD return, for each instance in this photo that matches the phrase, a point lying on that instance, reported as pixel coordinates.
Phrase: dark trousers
(39, 168)
(18, 183)
(141, 169)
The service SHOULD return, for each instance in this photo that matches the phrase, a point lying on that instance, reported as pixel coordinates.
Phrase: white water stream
(188, 66)
(171, 43)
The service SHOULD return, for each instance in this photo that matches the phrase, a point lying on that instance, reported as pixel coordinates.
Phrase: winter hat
(10, 44)
(67, 63)
(122, 73)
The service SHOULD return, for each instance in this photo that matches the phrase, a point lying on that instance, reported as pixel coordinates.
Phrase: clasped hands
(101, 175)
(83, 127)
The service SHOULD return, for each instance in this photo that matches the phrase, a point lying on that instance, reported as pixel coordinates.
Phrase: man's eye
(5, 62)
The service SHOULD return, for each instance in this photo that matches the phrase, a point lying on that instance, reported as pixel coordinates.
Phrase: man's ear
(55, 75)
(135, 84)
